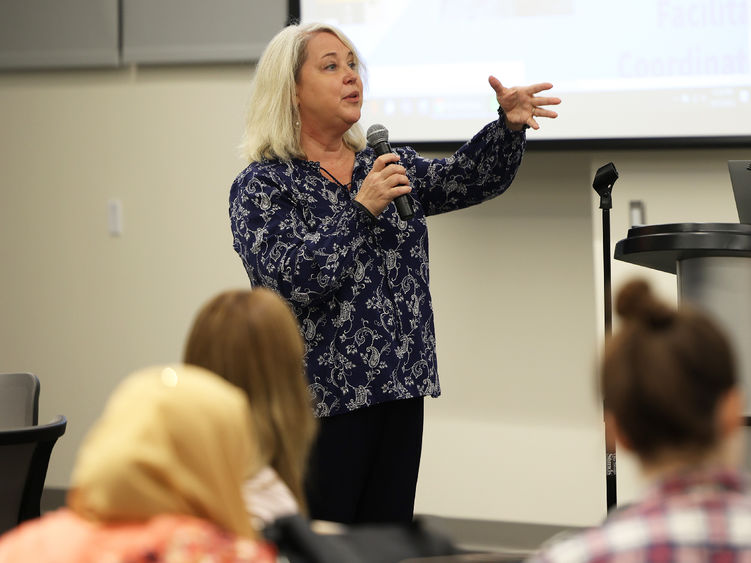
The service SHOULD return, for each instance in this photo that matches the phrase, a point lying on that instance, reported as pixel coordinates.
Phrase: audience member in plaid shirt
(671, 393)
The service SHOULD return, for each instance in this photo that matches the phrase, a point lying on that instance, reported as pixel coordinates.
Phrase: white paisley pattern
(359, 285)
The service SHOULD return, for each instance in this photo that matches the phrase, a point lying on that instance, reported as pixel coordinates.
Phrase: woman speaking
(311, 218)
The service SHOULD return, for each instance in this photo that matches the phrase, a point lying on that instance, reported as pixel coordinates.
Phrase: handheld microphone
(378, 140)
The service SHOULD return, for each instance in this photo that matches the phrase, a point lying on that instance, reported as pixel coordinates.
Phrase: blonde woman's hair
(252, 339)
(173, 439)
(272, 128)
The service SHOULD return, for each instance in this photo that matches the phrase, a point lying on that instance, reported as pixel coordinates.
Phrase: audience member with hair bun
(672, 395)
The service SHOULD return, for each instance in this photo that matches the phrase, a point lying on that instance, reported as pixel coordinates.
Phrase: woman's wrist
(516, 128)
(365, 210)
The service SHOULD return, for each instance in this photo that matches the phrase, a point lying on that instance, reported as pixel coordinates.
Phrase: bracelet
(372, 217)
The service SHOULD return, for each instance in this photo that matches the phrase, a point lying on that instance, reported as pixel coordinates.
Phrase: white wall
(80, 308)
(517, 281)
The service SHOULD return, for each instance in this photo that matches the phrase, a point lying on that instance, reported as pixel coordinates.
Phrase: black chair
(24, 457)
(19, 399)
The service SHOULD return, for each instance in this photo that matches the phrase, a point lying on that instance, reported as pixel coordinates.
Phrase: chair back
(24, 458)
(19, 400)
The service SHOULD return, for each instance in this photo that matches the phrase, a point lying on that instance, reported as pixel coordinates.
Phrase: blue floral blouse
(359, 285)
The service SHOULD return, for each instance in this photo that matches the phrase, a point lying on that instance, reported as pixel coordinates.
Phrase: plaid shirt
(700, 516)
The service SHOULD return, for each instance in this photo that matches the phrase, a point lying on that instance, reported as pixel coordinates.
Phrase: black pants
(364, 464)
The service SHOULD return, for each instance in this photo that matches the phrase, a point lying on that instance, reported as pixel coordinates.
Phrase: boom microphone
(378, 140)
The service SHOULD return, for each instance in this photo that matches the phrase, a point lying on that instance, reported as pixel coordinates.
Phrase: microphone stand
(605, 177)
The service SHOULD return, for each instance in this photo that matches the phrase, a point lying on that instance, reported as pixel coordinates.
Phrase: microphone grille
(377, 133)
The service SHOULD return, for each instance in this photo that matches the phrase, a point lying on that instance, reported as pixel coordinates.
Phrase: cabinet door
(199, 31)
(37, 34)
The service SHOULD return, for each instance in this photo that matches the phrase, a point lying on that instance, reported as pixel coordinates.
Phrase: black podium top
(660, 247)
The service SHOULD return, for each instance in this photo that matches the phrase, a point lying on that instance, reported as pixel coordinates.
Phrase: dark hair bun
(636, 302)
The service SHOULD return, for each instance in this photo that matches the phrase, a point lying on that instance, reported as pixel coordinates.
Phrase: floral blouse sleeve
(481, 169)
(293, 232)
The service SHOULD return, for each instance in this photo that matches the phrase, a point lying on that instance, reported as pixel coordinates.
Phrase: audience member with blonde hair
(672, 395)
(158, 478)
(252, 339)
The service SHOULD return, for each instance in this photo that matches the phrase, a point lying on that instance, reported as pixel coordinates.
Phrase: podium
(712, 263)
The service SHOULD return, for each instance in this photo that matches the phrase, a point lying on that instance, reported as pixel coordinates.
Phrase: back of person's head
(664, 374)
(273, 121)
(252, 339)
(171, 440)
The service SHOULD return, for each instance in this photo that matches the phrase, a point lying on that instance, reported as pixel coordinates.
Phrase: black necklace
(346, 186)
